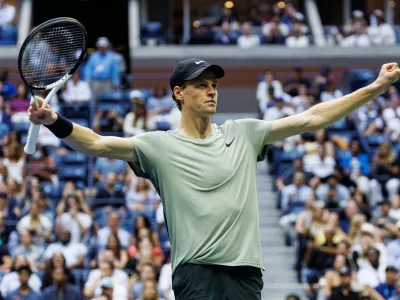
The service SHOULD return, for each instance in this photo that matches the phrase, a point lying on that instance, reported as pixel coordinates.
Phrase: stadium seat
(120, 108)
(4, 130)
(72, 157)
(152, 34)
(8, 36)
(50, 190)
(22, 127)
(76, 111)
(72, 172)
(114, 96)
(80, 121)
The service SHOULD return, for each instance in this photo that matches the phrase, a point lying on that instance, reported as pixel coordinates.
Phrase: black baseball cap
(191, 68)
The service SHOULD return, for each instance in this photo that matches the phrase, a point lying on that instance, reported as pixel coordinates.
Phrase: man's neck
(24, 289)
(195, 127)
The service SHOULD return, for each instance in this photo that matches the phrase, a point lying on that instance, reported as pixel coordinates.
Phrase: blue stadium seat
(50, 190)
(76, 111)
(22, 127)
(82, 122)
(73, 157)
(114, 96)
(72, 172)
(120, 108)
(4, 130)
(8, 36)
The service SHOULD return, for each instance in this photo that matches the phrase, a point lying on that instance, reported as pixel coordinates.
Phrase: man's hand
(389, 74)
(40, 116)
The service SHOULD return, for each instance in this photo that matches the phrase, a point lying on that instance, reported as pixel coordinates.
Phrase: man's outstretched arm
(324, 114)
(85, 140)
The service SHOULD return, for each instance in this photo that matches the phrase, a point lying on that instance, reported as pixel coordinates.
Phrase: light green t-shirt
(209, 190)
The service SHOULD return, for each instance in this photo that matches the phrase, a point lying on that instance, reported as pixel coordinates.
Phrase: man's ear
(178, 93)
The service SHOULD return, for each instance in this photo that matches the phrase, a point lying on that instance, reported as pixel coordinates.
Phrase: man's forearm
(327, 113)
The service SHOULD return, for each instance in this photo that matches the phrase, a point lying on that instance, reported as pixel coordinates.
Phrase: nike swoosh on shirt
(199, 62)
(228, 145)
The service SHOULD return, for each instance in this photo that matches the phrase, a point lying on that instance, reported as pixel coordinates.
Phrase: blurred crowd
(339, 189)
(63, 235)
(264, 24)
(358, 32)
(8, 30)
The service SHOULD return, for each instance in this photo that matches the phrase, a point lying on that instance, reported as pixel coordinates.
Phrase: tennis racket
(49, 56)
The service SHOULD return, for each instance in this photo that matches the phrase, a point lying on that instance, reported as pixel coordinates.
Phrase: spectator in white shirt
(248, 39)
(275, 32)
(297, 39)
(136, 121)
(301, 102)
(280, 110)
(319, 163)
(165, 281)
(77, 90)
(381, 33)
(330, 92)
(74, 253)
(359, 38)
(7, 14)
(37, 223)
(372, 273)
(263, 95)
(295, 194)
(113, 223)
(74, 220)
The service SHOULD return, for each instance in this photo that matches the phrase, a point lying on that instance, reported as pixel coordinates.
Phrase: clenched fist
(389, 74)
(40, 116)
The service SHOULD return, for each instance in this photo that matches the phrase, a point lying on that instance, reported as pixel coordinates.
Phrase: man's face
(345, 281)
(24, 276)
(391, 277)
(113, 221)
(200, 95)
(147, 273)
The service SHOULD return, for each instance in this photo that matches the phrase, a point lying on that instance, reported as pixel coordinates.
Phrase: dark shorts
(214, 282)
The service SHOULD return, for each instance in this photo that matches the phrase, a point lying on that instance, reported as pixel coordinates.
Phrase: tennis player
(206, 176)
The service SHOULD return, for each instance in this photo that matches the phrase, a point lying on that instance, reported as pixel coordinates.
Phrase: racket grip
(33, 136)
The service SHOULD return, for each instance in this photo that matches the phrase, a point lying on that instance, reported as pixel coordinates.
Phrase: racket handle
(33, 136)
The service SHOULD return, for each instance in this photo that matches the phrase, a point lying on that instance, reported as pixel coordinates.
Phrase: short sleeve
(256, 131)
(145, 148)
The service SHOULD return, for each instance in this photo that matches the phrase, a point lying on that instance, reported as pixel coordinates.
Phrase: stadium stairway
(279, 276)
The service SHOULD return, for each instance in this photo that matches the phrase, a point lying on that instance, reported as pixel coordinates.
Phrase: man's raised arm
(324, 114)
(82, 139)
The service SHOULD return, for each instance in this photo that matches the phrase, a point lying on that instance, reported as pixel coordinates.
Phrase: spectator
(333, 193)
(143, 198)
(387, 289)
(263, 87)
(370, 120)
(19, 105)
(227, 15)
(136, 121)
(297, 39)
(77, 90)
(280, 110)
(105, 165)
(360, 37)
(248, 39)
(113, 222)
(321, 164)
(332, 277)
(344, 290)
(393, 249)
(5, 117)
(107, 287)
(24, 291)
(74, 219)
(391, 115)
(27, 248)
(334, 36)
(38, 224)
(275, 31)
(201, 35)
(11, 281)
(397, 297)
(61, 288)
(8, 210)
(14, 161)
(74, 253)
(225, 36)
(293, 297)
(7, 14)
(41, 166)
(295, 195)
(287, 177)
(119, 279)
(102, 69)
(120, 254)
(56, 262)
(372, 272)
(147, 272)
(165, 281)
(330, 92)
(150, 291)
(381, 33)
(111, 192)
(301, 102)
(107, 121)
(292, 85)
(158, 107)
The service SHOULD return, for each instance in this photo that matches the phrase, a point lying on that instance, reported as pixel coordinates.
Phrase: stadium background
(338, 48)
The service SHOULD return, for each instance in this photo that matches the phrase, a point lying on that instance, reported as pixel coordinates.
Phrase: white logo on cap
(199, 62)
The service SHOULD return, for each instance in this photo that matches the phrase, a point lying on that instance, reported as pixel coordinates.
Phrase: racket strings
(52, 53)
